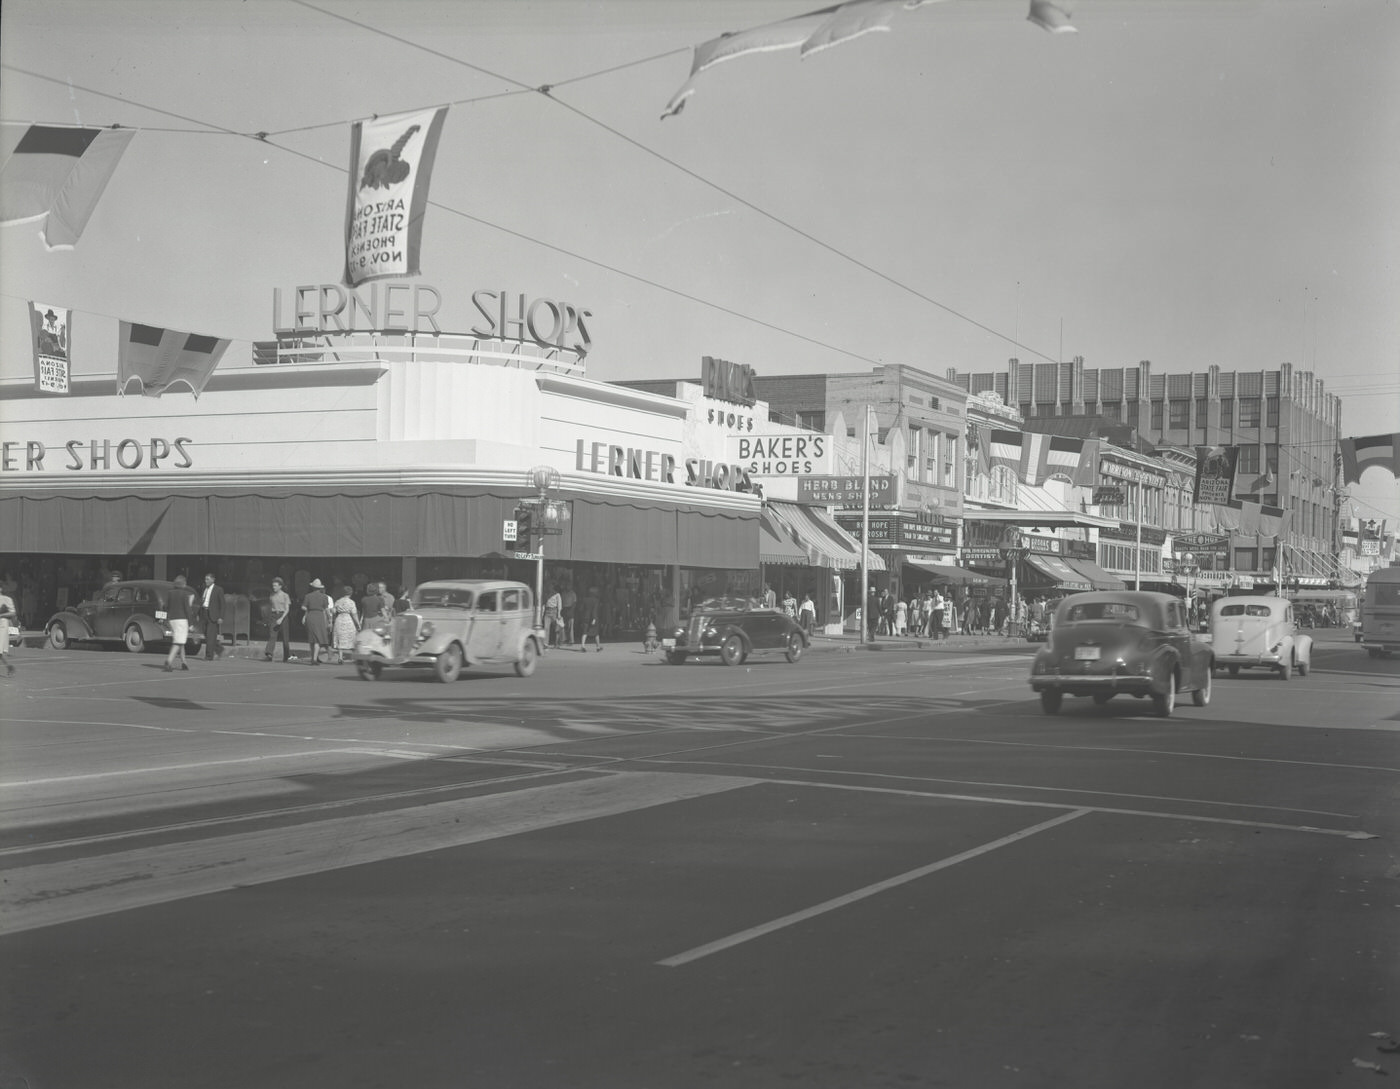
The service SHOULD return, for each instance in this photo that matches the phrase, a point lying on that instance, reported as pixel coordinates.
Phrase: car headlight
(426, 630)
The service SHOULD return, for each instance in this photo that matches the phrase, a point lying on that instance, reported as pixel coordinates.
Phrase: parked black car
(731, 631)
(131, 612)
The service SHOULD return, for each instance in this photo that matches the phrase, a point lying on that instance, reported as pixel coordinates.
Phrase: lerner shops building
(351, 455)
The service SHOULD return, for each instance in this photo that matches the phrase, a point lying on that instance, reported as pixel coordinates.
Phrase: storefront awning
(1098, 578)
(826, 543)
(960, 576)
(775, 543)
(1055, 572)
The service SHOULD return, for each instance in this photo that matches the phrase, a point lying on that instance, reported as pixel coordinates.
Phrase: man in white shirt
(279, 621)
(8, 616)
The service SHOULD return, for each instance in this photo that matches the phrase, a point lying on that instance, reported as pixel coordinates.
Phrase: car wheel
(369, 671)
(1201, 696)
(58, 636)
(794, 647)
(731, 651)
(1285, 671)
(1165, 702)
(448, 664)
(529, 658)
(1050, 701)
(1234, 671)
(1102, 697)
(675, 657)
(134, 640)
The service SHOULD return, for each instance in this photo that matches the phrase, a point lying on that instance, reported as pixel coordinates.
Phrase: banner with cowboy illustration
(49, 332)
(1215, 474)
(391, 160)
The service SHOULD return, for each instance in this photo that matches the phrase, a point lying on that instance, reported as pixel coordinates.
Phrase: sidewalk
(850, 641)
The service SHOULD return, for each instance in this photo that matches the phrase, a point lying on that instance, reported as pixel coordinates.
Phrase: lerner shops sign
(397, 308)
(639, 463)
(96, 455)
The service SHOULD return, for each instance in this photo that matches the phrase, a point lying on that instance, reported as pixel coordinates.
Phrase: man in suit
(211, 615)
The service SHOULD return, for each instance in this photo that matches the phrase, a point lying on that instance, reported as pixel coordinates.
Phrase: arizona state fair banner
(1215, 474)
(391, 160)
(48, 328)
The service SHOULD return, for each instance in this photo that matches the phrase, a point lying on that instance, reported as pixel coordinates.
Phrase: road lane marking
(51, 893)
(838, 902)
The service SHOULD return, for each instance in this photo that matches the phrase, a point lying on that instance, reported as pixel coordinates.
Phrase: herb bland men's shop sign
(96, 455)
(399, 308)
(635, 463)
(845, 491)
(780, 455)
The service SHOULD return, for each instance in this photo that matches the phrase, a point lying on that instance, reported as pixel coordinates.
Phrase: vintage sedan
(1133, 642)
(1258, 632)
(452, 624)
(131, 612)
(731, 630)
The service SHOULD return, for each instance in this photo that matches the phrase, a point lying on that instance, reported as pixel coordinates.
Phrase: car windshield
(1246, 610)
(1118, 611)
(442, 596)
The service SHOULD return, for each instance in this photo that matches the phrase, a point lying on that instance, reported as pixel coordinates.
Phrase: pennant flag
(160, 359)
(1062, 455)
(1273, 521)
(1228, 516)
(977, 447)
(1358, 455)
(48, 329)
(1254, 483)
(391, 162)
(1052, 16)
(813, 32)
(58, 175)
(1006, 449)
(1215, 474)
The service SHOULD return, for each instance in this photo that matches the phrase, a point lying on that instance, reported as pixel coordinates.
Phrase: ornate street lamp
(550, 517)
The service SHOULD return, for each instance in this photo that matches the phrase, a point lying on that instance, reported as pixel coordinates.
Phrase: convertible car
(1133, 642)
(1259, 633)
(731, 631)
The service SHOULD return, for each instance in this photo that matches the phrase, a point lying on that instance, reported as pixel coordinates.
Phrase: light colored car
(1132, 642)
(455, 623)
(1259, 632)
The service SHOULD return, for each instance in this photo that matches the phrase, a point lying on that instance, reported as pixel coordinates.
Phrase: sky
(1191, 182)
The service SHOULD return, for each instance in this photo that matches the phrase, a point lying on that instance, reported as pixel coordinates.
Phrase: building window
(1249, 460)
(1202, 416)
(1245, 559)
(911, 461)
(1156, 415)
(1249, 411)
(1227, 412)
(813, 421)
(1112, 410)
(1271, 458)
(1271, 410)
(1267, 557)
(1045, 408)
(950, 461)
(1066, 408)
(1180, 416)
(1132, 413)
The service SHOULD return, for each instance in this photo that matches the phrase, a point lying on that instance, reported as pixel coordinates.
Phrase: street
(870, 868)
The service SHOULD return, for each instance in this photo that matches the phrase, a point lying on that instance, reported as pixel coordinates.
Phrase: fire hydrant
(650, 644)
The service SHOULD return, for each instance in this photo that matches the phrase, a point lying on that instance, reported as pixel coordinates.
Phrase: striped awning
(776, 543)
(826, 544)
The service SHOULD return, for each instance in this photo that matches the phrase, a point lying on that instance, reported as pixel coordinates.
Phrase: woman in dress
(345, 623)
(314, 608)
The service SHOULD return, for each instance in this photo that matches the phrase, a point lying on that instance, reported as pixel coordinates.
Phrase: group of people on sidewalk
(567, 615)
(936, 615)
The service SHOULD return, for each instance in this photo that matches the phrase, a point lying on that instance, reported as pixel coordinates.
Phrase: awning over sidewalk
(1098, 578)
(776, 545)
(826, 543)
(1053, 571)
(960, 576)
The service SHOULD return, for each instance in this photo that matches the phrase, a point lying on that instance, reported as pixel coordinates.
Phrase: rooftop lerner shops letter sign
(398, 308)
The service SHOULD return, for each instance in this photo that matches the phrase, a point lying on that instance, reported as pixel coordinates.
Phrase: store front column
(410, 573)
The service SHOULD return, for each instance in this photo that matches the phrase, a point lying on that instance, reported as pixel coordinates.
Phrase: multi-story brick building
(1284, 422)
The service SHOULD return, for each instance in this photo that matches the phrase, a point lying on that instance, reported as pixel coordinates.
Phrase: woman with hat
(314, 609)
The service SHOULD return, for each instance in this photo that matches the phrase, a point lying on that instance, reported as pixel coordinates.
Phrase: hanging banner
(159, 359)
(53, 367)
(1215, 474)
(391, 160)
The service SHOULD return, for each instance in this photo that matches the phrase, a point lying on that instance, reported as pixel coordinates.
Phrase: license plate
(160, 614)
(668, 642)
(1086, 654)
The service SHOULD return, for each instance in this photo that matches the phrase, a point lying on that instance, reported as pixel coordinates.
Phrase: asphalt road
(866, 869)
